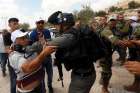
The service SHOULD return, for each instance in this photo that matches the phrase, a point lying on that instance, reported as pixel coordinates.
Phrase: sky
(28, 11)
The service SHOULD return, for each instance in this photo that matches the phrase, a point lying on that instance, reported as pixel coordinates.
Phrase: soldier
(123, 30)
(106, 64)
(83, 72)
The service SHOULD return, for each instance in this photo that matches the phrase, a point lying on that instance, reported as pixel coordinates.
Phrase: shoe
(4, 74)
(50, 89)
(105, 90)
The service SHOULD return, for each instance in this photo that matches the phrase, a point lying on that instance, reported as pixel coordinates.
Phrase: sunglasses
(40, 22)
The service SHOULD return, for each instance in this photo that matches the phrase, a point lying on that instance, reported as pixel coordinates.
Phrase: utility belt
(28, 79)
(83, 74)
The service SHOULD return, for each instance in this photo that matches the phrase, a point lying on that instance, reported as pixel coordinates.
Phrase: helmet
(61, 18)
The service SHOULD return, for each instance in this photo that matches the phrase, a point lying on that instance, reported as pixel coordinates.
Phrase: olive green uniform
(123, 30)
(106, 35)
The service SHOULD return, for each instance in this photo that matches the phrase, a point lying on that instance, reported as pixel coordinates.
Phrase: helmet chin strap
(61, 29)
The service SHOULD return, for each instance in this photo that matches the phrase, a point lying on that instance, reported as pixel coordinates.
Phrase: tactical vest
(86, 50)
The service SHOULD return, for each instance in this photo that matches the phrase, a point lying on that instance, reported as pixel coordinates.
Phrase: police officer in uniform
(83, 71)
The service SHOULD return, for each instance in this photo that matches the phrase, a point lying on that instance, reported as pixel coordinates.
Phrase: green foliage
(133, 5)
(25, 26)
(101, 13)
(115, 9)
(85, 14)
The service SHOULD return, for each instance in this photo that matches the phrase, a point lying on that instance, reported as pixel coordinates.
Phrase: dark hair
(138, 11)
(112, 20)
(13, 20)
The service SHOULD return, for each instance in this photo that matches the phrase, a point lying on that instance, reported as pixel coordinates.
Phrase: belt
(83, 74)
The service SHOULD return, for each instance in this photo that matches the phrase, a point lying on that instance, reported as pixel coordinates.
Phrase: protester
(132, 64)
(35, 35)
(14, 25)
(28, 69)
(3, 53)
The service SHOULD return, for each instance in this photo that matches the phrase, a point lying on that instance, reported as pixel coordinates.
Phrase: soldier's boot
(50, 89)
(3, 72)
(105, 87)
(105, 78)
(135, 87)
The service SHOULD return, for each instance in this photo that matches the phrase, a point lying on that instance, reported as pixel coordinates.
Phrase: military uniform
(123, 32)
(105, 34)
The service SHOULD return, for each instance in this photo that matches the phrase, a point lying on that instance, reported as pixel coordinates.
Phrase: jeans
(49, 69)
(3, 60)
(13, 77)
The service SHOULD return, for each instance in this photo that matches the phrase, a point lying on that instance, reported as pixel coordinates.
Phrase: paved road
(120, 78)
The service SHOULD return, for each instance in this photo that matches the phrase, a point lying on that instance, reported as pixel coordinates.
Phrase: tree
(133, 5)
(101, 13)
(25, 26)
(85, 14)
(115, 9)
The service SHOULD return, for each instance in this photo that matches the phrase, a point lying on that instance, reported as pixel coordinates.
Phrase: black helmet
(61, 18)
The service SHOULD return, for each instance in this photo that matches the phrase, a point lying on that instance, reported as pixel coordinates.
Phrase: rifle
(59, 67)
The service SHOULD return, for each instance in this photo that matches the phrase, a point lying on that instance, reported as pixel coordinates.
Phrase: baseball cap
(134, 18)
(17, 34)
(40, 20)
(112, 18)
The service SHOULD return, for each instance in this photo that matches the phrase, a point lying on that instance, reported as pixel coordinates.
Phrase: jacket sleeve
(33, 36)
(47, 34)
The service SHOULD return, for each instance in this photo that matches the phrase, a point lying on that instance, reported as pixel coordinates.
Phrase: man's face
(120, 17)
(24, 41)
(14, 25)
(112, 23)
(103, 20)
(40, 25)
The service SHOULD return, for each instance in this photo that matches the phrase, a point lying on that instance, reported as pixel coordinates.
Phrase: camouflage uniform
(123, 31)
(106, 64)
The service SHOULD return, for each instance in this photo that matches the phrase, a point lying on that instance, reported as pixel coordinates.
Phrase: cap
(112, 18)
(61, 18)
(40, 20)
(17, 34)
(134, 18)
